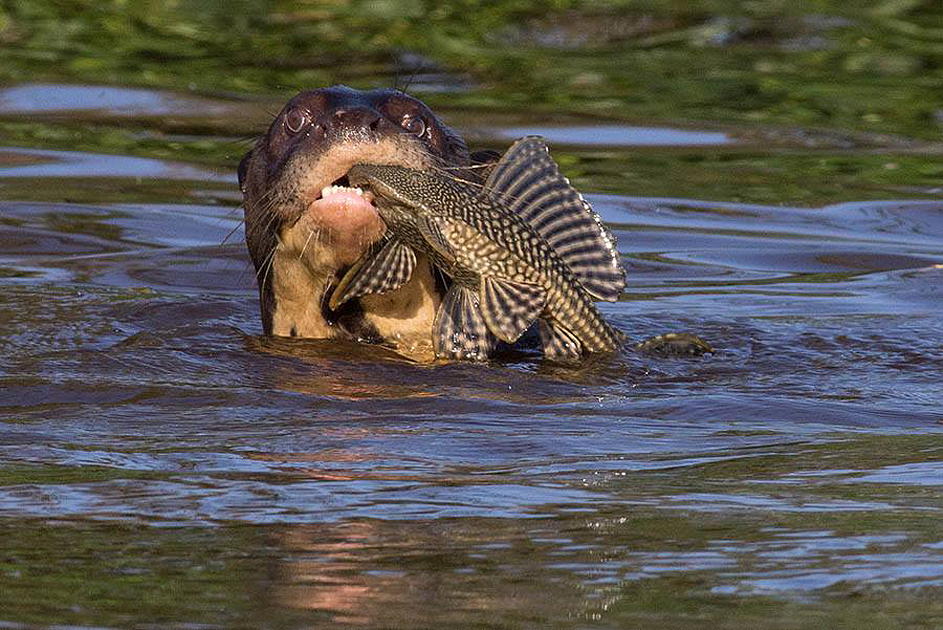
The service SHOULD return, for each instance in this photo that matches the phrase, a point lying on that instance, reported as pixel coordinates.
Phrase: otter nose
(359, 118)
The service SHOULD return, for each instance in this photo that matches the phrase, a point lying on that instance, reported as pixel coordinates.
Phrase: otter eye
(414, 125)
(295, 120)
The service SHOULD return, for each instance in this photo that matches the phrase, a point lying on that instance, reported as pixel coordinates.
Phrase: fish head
(417, 192)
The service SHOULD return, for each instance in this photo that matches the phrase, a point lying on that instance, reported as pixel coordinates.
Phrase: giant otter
(303, 234)
(301, 244)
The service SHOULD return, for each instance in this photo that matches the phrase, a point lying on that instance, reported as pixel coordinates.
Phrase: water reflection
(619, 135)
(368, 573)
(148, 429)
(76, 164)
(33, 98)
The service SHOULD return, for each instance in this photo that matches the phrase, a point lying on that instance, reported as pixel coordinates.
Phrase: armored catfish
(522, 247)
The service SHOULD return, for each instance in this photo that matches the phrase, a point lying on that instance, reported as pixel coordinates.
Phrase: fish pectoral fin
(389, 269)
(459, 331)
(510, 308)
(435, 231)
(559, 343)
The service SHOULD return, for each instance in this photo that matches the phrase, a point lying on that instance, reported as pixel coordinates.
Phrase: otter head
(302, 234)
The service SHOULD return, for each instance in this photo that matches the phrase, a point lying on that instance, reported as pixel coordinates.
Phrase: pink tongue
(352, 220)
(341, 202)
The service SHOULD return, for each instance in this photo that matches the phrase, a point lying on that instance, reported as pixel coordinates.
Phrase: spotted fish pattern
(523, 247)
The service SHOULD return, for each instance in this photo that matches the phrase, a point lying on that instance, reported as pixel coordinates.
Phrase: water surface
(162, 464)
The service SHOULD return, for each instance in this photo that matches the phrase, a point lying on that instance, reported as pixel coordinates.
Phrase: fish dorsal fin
(459, 331)
(389, 269)
(559, 343)
(527, 181)
(510, 308)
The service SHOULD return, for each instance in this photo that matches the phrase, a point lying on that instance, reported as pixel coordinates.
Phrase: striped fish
(524, 247)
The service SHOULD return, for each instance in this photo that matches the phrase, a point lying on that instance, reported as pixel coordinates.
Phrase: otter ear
(243, 170)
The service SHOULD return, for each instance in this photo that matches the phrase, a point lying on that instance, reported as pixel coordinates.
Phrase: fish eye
(296, 119)
(414, 125)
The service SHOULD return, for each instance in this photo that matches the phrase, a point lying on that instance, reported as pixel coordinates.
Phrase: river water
(164, 465)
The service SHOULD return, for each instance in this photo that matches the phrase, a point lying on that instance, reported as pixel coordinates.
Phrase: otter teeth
(330, 190)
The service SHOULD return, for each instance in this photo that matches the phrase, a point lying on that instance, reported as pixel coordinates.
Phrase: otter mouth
(341, 197)
(344, 215)
(323, 195)
(337, 221)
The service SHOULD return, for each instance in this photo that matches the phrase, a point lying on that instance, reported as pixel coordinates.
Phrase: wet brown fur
(298, 261)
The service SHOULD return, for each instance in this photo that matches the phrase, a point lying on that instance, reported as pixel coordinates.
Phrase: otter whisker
(443, 170)
(266, 267)
(239, 224)
(307, 240)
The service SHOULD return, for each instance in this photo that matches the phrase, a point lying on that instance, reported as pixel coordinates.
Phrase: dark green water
(773, 172)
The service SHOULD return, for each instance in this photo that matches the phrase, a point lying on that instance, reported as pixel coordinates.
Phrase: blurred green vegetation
(858, 64)
(774, 176)
(95, 572)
